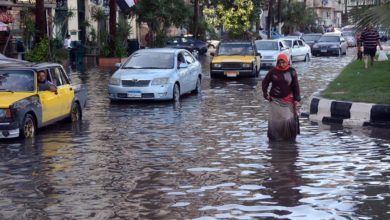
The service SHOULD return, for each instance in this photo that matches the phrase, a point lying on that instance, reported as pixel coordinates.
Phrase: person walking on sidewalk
(284, 97)
(370, 40)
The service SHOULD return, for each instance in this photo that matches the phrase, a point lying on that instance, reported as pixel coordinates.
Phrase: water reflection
(284, 178)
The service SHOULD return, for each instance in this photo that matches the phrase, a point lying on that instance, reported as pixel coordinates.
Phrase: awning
(125, 5)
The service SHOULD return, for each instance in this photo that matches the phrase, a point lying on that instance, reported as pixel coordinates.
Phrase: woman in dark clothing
(284, 96)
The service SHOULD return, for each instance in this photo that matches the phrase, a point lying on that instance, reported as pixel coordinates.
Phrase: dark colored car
(191, 44)
(330, 44)
(311, 39)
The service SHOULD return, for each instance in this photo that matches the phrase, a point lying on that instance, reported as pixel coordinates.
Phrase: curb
(329, 111)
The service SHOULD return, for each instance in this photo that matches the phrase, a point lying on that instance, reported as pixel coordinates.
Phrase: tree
(40, 21)
(234, 16)
(99, 16)
(377, 15)
(160, 15)
(296, 16)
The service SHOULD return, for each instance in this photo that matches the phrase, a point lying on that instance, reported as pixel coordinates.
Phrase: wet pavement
(206, 158)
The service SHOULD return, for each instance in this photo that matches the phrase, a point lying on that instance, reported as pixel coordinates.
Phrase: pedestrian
(67, 42)
(359, 46)
(284, 97)
(370, 40)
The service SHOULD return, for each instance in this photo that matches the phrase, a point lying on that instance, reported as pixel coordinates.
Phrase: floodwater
(206, 158)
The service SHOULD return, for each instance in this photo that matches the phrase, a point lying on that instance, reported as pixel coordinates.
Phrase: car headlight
(115, 81)
(5, 113)
(217, 65)
(160, 81)
(334, 46)
(246, 65)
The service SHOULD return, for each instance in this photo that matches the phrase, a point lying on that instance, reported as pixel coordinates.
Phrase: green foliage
(377, 15)
(297, 17)
(123, 30)
(355, 83)
(59, 55)
(236, 19)
(40, 52)
(160, 15)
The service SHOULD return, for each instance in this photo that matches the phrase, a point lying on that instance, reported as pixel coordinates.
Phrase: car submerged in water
(24, 109)
(156, 74)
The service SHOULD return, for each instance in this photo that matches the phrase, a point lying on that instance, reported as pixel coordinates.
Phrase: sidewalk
(349, 113)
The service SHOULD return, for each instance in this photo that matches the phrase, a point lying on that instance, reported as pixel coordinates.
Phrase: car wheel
(198, 87)
(307, 58)
(176, 93)
(75, 114)
(28, 127)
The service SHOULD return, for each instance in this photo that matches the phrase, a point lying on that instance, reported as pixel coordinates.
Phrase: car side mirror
(183, 65)
(118, 65)
(212, 54)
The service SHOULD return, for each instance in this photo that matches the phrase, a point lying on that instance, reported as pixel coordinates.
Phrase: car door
(183, 73)
(65, 90)
(192, 70)
(302, 50)
(344, 44)
(295, 50)
(51, 102)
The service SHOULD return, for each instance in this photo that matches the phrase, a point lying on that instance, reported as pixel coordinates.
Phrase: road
(205, 158)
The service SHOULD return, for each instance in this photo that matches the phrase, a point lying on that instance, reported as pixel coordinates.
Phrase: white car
(300, 51)
(156, 74)
(270, 50)
(213, 43)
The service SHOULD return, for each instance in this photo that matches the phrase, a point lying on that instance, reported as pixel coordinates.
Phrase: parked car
(330, 44)
(350, 38)
(213, 43)
(235, 58)
(300, 51)
(270, 50)
(274, 34)
(24, 109)
(156, 74)
(195, 46)
(311, 38)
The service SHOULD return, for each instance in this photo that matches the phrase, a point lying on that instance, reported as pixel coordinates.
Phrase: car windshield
(288, 42)
(329, 39)
(235, 49)
(150, 60)
(311, 37)
(267, 45)
(16, 80)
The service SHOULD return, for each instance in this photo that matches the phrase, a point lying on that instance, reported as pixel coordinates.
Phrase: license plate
(134, 94)
(232, 74)
(323, 51)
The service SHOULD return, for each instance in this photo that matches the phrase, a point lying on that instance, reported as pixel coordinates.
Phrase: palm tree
(98, 16)
(377, 15)
(40, 21)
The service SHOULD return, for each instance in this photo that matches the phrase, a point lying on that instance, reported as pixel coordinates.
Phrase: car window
(267, 45)
(329, 39)
(188, 58)
(17, 80)
(180, 59)
(150, 60)
(64, 78)
(300, 43)
(288, 42)
(281, 45)
(243, 49)
(56, 77)
(295, 43)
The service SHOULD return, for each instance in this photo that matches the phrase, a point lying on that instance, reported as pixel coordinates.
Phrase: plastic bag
(382, 56)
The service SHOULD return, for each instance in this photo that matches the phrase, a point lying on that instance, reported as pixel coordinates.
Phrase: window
(188, 58)
(296, 43)
(300, 43)
(180, 59)
(56, 77)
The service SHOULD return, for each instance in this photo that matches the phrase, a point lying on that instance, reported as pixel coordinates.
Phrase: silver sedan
(156, 74)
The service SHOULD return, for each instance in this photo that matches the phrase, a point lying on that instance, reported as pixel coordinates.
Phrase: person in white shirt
(67, 42)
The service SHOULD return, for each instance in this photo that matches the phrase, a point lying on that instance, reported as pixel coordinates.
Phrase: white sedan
(300, 51)
(156, 74)
(270, 50)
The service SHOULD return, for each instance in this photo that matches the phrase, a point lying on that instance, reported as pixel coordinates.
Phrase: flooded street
(206, 158)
